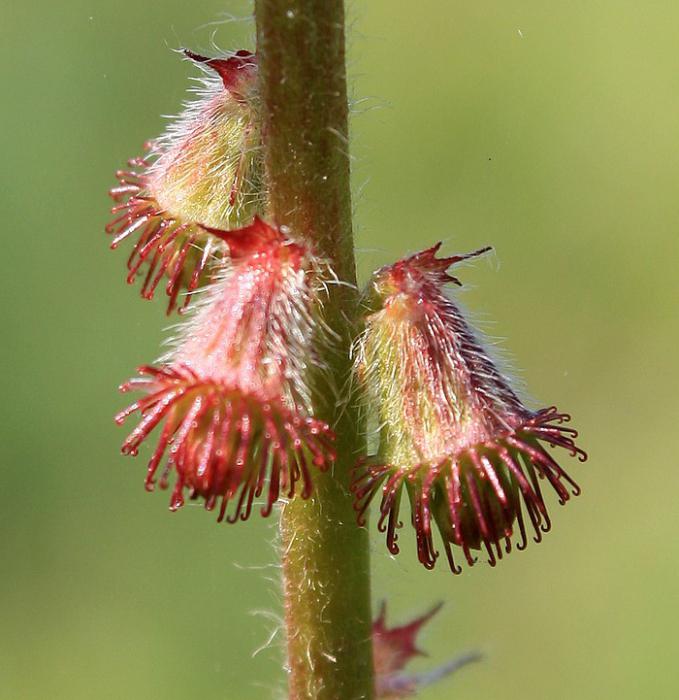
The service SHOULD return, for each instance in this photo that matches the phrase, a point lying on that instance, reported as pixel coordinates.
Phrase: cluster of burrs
(232, 400)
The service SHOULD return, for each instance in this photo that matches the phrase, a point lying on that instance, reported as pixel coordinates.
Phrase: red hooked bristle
(475, 495)
(164, 248)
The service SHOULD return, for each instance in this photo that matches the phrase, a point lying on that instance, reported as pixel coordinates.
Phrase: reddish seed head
(232, 396)
(205, 172)
(455, 436)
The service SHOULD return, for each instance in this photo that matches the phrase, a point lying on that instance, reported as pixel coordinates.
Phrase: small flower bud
(454, 434)
(233, 394)
(205, 171)
(395, 647)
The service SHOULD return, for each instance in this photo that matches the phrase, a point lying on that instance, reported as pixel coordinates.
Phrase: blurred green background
(548, 129)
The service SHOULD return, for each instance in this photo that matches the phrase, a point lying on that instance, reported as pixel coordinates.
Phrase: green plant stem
(300, 45)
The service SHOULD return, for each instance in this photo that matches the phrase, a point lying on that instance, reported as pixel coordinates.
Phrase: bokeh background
(548, 129)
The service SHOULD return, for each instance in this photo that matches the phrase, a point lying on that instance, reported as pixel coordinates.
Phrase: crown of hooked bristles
(453, 433)
(233, 394)
(167, 200)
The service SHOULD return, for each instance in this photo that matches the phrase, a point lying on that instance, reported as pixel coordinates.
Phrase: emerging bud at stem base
(454, 434)
(234, 394)
(205, 171)
(393, 649)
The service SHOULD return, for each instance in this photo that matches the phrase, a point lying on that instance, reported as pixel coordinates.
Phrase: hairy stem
(300, 46)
